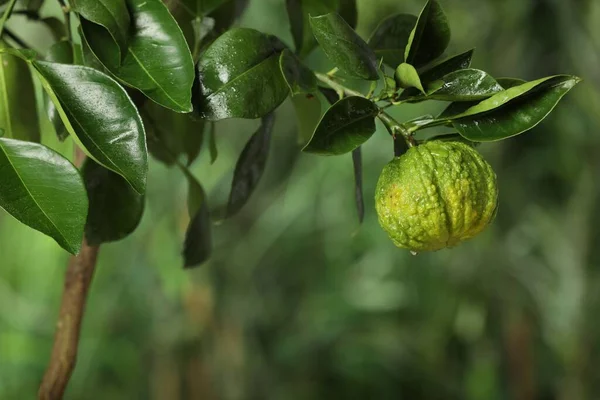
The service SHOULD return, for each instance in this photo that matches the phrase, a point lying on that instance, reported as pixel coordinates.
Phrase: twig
(6, 14)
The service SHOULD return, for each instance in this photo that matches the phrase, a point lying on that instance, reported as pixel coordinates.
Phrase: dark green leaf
(346, 125)
(407, 76)
(227, 14)
(508, 83)
(33, 5)
(298, 13)
(115, 209)
(438, 71)
(43, 190)
(344, 48)
(100, 115)
(198, 237)
(60, 52)
(430, 36)
(347, 10)
(172, 134)
(56, 26)
(308, 115)
(358, 183)
(299, 78)
(240, 76)
(391, 37)
(463, 85)
(158, 61)
(18, 112)
(212, 138)
(518, 115)
(111, 15)
(250, 166)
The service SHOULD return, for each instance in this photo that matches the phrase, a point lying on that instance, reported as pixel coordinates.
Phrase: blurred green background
(300, 302)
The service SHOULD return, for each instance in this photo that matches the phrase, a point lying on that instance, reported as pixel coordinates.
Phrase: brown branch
(78, 279)
(66, 340)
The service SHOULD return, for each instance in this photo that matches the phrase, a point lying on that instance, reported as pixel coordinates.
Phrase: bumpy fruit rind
(436, 195)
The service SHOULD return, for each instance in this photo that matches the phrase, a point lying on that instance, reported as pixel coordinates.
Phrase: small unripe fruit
(436, 195)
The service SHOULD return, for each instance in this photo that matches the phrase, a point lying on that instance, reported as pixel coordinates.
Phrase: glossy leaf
(464, 85)
(111, 15)
(518, 115)
(430, 36)
(438, 71)
(240, 76)
(298, 77)
(158, 61)
(198, 237)
(308, 115)
(115, 209)
(43, 190)
(171, 134)
(407, 76)
(344, 48)
(505, 96)
(346, 125)
(18, 111)
(390, 38)
(250, 166)
(298, 13)
(60, 52)
(100, 115)
(358, 183)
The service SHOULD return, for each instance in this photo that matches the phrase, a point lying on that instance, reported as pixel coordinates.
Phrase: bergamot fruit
(436, 195)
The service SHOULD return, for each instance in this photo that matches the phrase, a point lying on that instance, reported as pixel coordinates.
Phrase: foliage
(133, 49)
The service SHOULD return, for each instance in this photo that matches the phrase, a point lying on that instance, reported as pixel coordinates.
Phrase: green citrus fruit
(436, 195)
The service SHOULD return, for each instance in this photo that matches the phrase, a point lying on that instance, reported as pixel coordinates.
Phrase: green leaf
(508, 83)
(407, 76)
(464, 85)
(111, 15)
(308, 115)
(171, 134)
(346, 125)
(348, 10)
(438, 71)
(18, 111)
(344, 48)
(158, 61)
(505, 96)
(518, 115)
(391, 37)
(298, 13)
(240, 76)
(430, 36)
(43, 190)
(56, 26)
(298, 77)
(198, 237)
(99, 114)
(358, 183)
(115, 209)
(250, 166)
(60, 52)
(212, 143)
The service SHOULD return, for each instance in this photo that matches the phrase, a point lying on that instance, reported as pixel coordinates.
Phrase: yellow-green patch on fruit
(436, 195)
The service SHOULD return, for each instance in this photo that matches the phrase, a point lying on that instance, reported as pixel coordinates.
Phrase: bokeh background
(300, 302)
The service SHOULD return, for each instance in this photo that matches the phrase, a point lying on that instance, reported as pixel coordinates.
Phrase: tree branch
(66, 340)
(78, 279)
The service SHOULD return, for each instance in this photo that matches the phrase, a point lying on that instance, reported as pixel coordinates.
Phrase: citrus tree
(126, 79)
